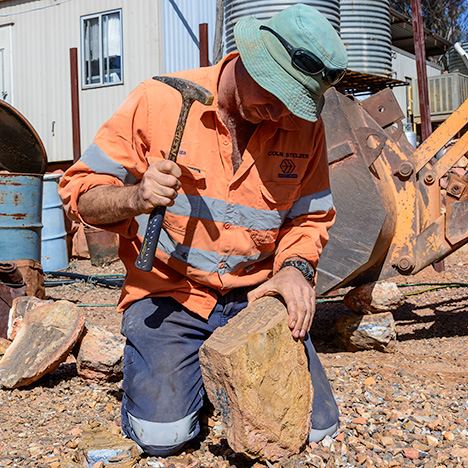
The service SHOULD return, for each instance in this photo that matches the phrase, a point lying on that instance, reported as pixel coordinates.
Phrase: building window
(101, 45)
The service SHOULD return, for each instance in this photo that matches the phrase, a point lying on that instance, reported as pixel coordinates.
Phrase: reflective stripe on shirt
(100, 163)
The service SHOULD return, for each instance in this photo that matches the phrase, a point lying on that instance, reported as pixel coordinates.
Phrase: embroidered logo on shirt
(287, 168)
(289, 155)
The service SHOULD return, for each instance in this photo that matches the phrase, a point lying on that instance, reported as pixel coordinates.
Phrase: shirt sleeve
(117, 156)
(305, 231)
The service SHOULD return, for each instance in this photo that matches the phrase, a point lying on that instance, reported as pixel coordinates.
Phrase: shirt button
(227, 225)
(225, 142)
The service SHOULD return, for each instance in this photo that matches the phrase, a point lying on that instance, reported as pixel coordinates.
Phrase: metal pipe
(420, 52)
(75, 103)
(203, 33)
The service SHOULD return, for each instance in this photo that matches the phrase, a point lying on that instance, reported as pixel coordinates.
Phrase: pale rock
(373, 298)
(375, 331)
(100, 354)
(20, 306)
(257, 376)
(46, 336)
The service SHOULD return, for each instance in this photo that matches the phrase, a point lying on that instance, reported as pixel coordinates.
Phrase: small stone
(370, 381)
(374, 298)
(449, 436)
(411, 453)
(432, 440)
(359, 420)
(368, 332)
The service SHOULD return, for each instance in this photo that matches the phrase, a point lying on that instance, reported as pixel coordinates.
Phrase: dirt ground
(406, 408)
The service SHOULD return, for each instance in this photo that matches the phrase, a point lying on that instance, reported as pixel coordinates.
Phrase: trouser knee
(160, 439)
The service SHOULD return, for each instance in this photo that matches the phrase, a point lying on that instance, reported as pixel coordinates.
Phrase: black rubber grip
(145, 258)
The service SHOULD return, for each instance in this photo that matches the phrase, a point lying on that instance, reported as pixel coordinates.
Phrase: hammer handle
(146, 256)
(148, 249)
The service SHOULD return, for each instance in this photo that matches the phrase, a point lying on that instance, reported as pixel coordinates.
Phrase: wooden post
(420, 52)
(218, 44)
(75, 104)
(203, 33)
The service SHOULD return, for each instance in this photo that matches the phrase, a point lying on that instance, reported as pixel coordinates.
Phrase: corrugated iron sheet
(365, 30)
(181, 20)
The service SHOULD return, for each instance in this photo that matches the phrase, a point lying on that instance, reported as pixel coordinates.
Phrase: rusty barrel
(20, 216)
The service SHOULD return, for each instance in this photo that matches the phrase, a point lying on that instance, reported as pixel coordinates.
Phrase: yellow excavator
(388, 197)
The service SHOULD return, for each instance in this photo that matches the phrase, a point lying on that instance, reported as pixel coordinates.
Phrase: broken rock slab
(256, 376)
(46, 336)
(374, 298)
(376, 331)
(100, 354)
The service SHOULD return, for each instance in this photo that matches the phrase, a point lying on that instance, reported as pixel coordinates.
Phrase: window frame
(102, 59)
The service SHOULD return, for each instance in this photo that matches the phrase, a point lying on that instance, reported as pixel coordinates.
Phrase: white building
(119, 43)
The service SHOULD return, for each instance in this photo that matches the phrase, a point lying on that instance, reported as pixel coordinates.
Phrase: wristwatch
(307, 270)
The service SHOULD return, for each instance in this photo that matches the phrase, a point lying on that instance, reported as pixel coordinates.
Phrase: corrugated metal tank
(181, 20)
(455, 62)
(365, 30)
(234, 10)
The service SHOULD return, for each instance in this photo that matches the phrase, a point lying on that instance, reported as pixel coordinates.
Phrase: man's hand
(298, 294)
(108, 204)
(158, 187)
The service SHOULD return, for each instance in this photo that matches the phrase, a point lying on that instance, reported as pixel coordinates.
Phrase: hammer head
(190, 91)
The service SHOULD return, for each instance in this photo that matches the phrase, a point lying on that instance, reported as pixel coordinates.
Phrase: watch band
(305, 267)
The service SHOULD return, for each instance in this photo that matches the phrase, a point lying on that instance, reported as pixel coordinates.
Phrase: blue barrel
(20, 216)
(54, 235)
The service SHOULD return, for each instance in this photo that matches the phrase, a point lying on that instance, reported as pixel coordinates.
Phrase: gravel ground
(402, 409)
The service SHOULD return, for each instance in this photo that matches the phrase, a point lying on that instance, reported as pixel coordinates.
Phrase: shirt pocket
(183, 216)
(275, 201)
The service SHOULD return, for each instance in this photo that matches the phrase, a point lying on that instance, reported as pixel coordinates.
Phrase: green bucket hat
(269, 64)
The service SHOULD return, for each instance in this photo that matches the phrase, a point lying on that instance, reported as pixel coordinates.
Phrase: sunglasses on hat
(307, 62)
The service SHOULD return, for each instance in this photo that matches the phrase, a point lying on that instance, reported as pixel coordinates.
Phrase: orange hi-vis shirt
(226, 230)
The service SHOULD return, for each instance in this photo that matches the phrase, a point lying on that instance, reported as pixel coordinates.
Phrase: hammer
(190, 92)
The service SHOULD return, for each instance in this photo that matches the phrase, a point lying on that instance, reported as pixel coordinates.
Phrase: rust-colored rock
(257, 376)
(100, 355)
(373, 298)
(375, 331)
(46, 336)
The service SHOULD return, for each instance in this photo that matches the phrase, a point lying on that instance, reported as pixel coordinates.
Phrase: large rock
(46, 336)
(100, 354)
(257, 376)
(373, 298)
(375, 331)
